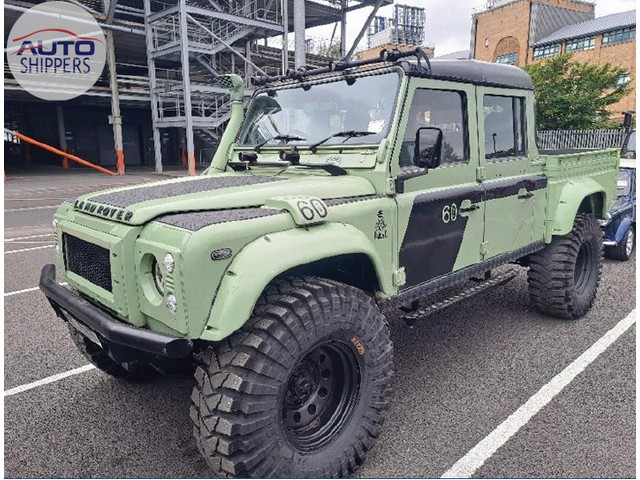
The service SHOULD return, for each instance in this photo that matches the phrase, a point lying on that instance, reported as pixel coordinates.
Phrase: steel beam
(151, 65)
(186, 85)
(234, 18)
(110, 9)
(343, 28)
(299, 33)
(364, 29)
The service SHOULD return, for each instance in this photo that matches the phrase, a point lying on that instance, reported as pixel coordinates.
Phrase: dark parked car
(620, 227)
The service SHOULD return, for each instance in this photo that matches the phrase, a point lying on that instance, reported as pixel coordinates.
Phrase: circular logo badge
(56, 51)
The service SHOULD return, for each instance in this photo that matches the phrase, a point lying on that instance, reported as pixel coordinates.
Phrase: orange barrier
(59, 152)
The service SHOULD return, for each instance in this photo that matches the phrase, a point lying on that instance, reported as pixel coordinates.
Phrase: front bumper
(123, 343)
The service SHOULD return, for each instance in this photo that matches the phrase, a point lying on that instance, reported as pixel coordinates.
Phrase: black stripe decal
(430, 246)
(511, 186)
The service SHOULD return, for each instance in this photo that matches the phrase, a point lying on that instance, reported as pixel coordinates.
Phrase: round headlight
(169, 262)
(158, 279)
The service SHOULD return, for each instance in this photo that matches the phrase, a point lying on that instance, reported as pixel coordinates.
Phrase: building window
(504, 127)
(509, 59)
(619, 36)
(623, 80)
(578, 44)
(546, 51)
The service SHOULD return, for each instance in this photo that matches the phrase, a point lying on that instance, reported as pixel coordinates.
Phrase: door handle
(524, 196)
(470, 208)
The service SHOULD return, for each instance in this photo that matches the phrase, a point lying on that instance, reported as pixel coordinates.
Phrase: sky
(448, 22)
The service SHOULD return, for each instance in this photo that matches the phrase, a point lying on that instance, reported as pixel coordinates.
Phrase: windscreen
(299, 116)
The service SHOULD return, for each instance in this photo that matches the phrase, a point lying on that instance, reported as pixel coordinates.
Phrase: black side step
(494, 281)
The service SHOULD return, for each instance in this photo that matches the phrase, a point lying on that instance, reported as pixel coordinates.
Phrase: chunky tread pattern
(551, 271)
(235, 405)
(619, 252)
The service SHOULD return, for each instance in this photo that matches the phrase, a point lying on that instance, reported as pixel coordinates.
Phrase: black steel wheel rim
(583, 270)
(320, 396)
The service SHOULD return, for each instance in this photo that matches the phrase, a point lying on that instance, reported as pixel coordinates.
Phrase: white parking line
(478, 455)
(27, 290)
(24, 209)
(28, 249)
(45, 381)
(28, 237)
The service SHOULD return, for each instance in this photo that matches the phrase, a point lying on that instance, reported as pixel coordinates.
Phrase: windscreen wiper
(347, 134)
(286, 138)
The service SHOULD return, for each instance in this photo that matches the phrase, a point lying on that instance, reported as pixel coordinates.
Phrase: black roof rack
(460, 70)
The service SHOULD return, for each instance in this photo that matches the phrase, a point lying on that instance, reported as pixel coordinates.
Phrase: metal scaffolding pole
(285, 36)
(115, 103)
(186, 87)
(299, 33)
(364, 29)
(343, 28)
(151, 66)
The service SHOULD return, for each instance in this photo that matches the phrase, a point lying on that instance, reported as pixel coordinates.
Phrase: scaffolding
(187, 43)
(406, 27)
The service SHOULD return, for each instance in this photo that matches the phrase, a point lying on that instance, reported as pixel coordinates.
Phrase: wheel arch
(316, 250)
(583, 196)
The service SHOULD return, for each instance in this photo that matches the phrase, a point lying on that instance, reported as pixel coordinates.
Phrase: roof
(591, 27)
(475, 72)
(458, 54)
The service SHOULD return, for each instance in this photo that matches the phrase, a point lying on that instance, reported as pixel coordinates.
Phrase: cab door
(440, 211)
(514, 187)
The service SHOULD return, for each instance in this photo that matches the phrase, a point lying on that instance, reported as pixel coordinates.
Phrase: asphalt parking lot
(459, 375)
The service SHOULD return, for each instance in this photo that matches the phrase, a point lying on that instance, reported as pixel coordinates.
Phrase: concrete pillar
(151, 64)
(62, 135)
(343, 28)
(115, 103)
(186, 86)
(299, 33)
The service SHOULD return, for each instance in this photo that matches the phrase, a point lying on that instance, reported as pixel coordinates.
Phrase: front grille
(88, 260)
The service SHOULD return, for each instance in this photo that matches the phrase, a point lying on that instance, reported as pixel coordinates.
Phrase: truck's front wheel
(564, 277)
(301, 390)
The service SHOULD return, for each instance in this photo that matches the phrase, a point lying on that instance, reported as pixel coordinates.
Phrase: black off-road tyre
(99, 358)
(625, 247)
(300, 391)
(564, 277)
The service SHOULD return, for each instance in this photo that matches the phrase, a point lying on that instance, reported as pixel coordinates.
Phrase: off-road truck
(339, 195)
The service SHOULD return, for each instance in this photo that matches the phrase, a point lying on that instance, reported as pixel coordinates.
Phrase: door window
(504, 127)
(446, 110)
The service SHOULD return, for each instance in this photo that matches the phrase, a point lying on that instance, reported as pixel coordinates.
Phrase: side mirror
(428, 152)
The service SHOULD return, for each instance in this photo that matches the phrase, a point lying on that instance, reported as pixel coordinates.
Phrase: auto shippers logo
(56, 51)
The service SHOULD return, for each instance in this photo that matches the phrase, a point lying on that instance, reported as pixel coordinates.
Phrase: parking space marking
(24, 209)
(26, 290)
(28, 249)
(47, 380)
(28, 237)
(478, 455)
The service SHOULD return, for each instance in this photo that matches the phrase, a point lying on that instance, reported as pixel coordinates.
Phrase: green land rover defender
(338, 197)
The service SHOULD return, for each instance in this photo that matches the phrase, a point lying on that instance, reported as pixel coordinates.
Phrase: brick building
(520, 32)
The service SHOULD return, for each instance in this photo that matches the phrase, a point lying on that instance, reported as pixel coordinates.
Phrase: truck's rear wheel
(623, 250)
(301, 390)
(564, 277)
(99, 358)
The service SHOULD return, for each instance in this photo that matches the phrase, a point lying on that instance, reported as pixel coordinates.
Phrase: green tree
(330, 50)
(575, 96)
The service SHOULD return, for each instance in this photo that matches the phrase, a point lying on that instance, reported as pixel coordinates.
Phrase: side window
(504, 127)
(445, 109)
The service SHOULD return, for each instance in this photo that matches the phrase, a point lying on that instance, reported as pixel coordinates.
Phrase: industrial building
(157, 97)
(520, 32)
